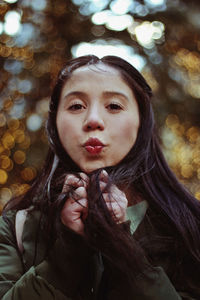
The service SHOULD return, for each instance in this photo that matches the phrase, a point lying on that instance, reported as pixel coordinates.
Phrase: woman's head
(99, 110)
(97, 117)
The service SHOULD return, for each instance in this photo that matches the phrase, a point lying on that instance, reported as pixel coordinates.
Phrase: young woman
(106, 219)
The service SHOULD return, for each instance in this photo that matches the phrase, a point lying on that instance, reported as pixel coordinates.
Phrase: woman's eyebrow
(107, 94)
(116, 93)
(74, 93)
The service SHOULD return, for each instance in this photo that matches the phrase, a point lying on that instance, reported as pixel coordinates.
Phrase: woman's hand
(116, 199)
(75, 208)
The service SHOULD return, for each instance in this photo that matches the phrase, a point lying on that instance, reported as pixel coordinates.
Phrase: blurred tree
(160, 37)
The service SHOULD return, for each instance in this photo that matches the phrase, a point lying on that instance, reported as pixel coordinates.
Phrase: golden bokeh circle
(6, 195)
(26, 143)
(2, 120)
(8, 140)
(5, 162)
(19, 157)
(187, 171)
(19, 135)
(3, 176)
(13, 124)
(197, 195)
(28, 174)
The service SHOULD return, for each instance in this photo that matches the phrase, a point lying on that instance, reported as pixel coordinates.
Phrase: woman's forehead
(95, 77)
(97, 80)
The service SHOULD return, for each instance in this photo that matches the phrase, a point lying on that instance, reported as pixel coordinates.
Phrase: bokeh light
(28, 174)
(121, 7)
(2, 120)
(102, 48)
(6, 163)
(112, 21)
(38, 4)
(19, 157)
(34, 122)
(12, 23)
(119, 23)
(3, 176)
(181, 143)
(1, 27)
(155, 2)
(19, 189)
(5, 195)
(10, 1)
(8, 140)
(147, 33)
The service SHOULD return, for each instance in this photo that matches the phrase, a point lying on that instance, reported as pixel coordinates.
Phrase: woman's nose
(93, 120)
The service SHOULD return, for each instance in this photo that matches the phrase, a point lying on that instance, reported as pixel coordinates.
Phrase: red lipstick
(93, 146)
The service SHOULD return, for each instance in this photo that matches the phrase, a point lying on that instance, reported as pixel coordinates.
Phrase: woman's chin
(92, 167)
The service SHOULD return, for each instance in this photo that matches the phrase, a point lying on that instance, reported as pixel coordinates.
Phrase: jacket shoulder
(7, 226)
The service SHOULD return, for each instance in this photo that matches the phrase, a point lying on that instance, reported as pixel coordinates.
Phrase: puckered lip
(93, 142)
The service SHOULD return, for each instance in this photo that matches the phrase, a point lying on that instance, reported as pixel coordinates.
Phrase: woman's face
(97, 117)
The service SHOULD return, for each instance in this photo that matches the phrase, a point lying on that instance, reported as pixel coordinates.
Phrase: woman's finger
(115, 195)
(73, 215)
(74, 181)
(116, 202)
(118, 195)
(79, 205)
(79, 193)
(111, 204)
(72, 210)
(85, 179)
(102, 185)
(117, 212)
(104, 176)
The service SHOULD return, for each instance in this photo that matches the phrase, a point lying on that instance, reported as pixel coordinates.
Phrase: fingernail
(102, 185)
(104, 172)
(68, 177)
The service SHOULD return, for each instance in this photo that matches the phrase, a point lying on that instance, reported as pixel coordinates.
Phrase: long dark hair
(144, 171)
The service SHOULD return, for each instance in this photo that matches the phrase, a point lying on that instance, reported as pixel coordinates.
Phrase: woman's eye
(114, 107)
(75, 107)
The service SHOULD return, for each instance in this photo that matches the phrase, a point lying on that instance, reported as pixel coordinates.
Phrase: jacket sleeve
(53, 278)
(156, 285)
(152, 285)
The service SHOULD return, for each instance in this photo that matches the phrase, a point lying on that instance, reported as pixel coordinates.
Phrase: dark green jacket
(71, 271)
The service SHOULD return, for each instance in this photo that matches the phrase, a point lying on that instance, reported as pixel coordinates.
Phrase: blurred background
(161, 38)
